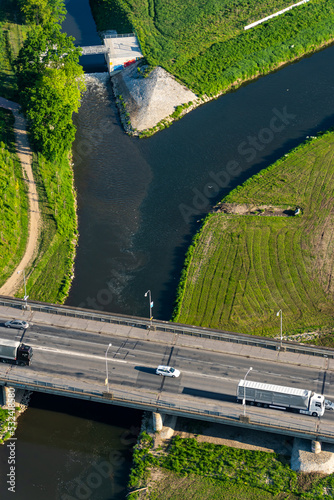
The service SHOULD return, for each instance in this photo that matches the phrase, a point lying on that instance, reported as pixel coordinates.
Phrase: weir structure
(119, 50)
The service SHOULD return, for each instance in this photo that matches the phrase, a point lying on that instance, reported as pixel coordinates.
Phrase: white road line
(73, 353)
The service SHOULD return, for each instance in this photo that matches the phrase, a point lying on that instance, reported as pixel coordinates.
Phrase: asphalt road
(66, 356)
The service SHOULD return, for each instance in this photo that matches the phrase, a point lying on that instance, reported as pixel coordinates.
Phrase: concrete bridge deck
(69, 359)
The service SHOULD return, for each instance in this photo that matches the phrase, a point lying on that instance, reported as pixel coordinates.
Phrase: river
(140, 200)
(139, 204)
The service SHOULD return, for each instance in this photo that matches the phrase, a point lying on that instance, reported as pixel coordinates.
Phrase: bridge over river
(76, 350)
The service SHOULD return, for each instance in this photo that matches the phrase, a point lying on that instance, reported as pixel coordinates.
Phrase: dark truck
(12, 351)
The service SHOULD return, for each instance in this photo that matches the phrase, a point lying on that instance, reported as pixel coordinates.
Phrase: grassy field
(51, 273)
(13, 200)
(204, 44)
(174, 487)
(242, 269)
(12, 34)
(191, 470)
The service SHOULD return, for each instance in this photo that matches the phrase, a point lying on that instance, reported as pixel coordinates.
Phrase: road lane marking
(79, 354)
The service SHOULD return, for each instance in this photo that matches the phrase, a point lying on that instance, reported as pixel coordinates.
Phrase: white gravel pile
(152, 98)
(303, 460)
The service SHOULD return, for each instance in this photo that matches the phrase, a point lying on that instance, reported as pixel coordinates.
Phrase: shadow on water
(168, 293)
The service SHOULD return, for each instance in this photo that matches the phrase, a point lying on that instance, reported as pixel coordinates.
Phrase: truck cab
(317, 405)
(24, 354)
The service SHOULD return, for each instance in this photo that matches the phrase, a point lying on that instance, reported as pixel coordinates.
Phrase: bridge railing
(122, 398)
(170, 327)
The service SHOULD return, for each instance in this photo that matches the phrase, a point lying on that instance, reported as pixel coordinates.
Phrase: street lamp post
(25, 288)
(107, 380)
(280, 314)
(148, 294)
(244, 399)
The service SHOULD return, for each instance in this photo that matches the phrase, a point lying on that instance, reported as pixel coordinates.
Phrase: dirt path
(15, 281)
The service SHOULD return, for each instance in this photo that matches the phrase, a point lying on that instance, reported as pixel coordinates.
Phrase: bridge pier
(8, 395)
(316, 446)
(157, 421)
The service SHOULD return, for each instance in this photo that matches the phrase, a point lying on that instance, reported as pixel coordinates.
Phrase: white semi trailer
(12, 351)
(281, 398)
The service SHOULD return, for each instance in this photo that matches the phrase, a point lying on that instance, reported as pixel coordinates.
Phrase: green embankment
(241, 269)
(192, 470)
(12, 35)
(13, 200)
(49, 91)
(204, 43)
(52, 272)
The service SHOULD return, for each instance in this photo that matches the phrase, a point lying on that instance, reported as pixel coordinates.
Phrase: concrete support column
(157, 421)
(316, 446)
(6, 394)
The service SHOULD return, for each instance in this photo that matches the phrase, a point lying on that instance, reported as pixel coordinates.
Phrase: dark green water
(139, 203)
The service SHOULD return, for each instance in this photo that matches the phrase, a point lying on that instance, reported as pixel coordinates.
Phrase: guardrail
(152, 404)
(118, 35)
(170, 327)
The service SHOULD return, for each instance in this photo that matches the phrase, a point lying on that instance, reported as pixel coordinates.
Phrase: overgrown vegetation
(241, 269)
(12, 35)
(49, 82)
(201, 471)
(13, 200)
(204, 44)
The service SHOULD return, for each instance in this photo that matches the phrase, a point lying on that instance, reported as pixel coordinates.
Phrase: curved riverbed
(140, 200)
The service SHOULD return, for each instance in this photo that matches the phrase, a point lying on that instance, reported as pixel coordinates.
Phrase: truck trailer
(281, 398)
(12, 351)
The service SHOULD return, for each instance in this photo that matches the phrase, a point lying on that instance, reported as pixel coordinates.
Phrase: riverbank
(211, 68)
(10, 413)
(52, 206)
(205, 461)
(242, 269)
(15, 280)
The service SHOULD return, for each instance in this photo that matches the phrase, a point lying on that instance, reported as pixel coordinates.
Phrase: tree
(50, 82)
(43, 12)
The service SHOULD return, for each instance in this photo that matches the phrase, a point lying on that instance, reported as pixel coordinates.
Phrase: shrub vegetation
(204, 43)
(206, 471)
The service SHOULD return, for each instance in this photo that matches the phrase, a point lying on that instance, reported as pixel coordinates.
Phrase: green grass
(192, 487)
(12, 35)
(13, 200)
(205, 471)
(203, 43)
(50, 275)
(241, 269)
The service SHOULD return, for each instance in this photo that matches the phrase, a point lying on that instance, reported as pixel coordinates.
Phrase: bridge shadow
(208, 394)
(145, 369)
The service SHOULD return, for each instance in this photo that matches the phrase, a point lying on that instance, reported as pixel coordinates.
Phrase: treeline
(49, 78)
(50, 82)
(259, 50)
